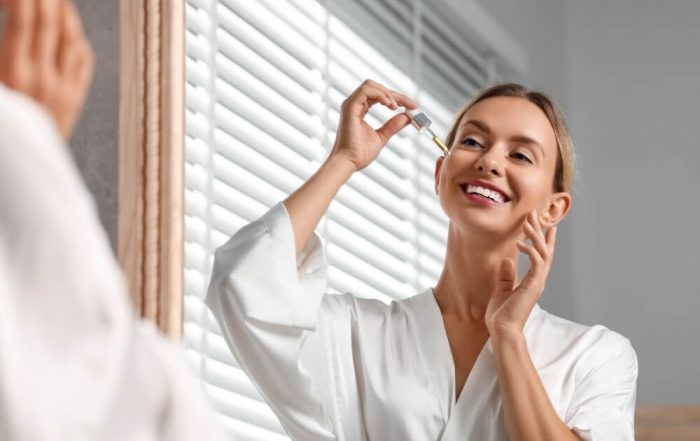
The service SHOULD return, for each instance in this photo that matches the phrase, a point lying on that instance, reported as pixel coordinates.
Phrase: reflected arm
(310, 202)
(528, 411)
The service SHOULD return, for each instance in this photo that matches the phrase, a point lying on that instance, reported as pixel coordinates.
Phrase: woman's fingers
(75, 66)
(403, 100)
(540, 252)
(46, 32)
(19, 29)
(45, 55)
(551, 238)
(370, 93)
(359, 102)
(534, 274)
(392, 127)
(506, 276)
(535, 235)
(70, 34)
(63, 54)
(74, 49)
(356, 139)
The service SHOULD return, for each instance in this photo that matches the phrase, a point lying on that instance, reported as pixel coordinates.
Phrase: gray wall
(96, 138)
(626, 73)
(634, 100)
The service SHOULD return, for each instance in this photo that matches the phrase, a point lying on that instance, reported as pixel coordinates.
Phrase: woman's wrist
(341, 165)
(307, 205)
(510, 338)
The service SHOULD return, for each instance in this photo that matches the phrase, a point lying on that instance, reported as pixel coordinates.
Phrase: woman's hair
(566, 159)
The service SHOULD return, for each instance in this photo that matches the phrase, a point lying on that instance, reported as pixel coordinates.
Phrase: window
(264, 83)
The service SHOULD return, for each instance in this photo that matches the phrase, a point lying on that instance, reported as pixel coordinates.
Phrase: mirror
(265, 82)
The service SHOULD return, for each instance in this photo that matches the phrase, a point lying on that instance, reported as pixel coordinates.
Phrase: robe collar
(436, 354)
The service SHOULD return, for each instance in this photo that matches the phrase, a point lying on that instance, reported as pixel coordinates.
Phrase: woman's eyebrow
(479, 124)
(526, 140)
(485, 128)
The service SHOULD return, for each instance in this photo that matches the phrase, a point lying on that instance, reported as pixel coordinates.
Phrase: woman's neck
(470, 274)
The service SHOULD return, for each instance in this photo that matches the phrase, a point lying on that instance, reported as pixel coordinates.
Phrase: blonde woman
(472, 358)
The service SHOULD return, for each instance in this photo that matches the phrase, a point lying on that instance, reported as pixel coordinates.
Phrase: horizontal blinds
(265, 81)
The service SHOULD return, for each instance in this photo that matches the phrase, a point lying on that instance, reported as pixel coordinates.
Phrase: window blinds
(265, 80)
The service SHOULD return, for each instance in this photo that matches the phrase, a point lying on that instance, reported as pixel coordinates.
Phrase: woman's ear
(438, 167)
(556, 210)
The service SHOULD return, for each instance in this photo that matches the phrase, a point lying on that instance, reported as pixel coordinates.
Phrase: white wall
(634, 100)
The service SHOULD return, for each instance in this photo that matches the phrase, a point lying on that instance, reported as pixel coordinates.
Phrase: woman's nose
(487, 163)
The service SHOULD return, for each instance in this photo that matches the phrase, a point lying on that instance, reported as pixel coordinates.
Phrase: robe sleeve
(267, 303)
(603, 405)
(75, 361)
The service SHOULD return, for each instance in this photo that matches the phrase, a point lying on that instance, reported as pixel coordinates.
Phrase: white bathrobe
(341, 367)
(75, 361)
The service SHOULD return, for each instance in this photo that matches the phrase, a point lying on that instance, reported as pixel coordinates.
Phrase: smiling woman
(353, 367)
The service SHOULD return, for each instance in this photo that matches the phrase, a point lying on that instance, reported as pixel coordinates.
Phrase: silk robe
(343, 367)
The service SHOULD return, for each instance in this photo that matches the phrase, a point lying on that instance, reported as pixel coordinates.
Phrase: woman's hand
(45, 55)
(509, 308)
(357, 141)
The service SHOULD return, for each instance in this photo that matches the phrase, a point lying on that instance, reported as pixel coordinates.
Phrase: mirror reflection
(341, 267)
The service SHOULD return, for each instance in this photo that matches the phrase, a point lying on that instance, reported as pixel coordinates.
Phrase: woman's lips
(479, 199)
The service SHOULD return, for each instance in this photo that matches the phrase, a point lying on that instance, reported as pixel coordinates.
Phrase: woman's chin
(482, 224)
(493, 223)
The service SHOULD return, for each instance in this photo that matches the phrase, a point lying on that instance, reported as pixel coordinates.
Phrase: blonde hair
(566, 160)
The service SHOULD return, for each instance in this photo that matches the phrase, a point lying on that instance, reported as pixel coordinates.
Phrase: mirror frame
(151, 158)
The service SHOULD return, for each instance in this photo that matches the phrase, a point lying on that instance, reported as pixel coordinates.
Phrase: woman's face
(504, 144)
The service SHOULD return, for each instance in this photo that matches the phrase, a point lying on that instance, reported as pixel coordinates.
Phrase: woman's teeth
(493, 195)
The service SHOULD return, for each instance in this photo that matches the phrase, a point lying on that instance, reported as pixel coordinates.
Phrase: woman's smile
(484, 193)
(482, 200)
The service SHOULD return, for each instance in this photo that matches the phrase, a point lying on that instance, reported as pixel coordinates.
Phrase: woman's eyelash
(524, 157)
(465, 140)
(473, 142)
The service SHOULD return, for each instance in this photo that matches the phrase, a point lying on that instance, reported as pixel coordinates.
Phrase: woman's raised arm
(356, 146)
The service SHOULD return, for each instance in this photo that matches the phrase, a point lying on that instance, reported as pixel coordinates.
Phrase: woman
(475, 357)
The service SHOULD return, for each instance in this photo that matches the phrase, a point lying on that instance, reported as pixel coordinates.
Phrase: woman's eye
(522, 157)
(470, 142)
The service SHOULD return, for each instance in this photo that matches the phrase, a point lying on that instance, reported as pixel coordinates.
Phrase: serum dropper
(422, 123)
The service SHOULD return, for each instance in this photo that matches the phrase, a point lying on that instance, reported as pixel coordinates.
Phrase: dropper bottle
(422, 123)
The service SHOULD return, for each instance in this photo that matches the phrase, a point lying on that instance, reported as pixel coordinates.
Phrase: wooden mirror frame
(151, 158)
